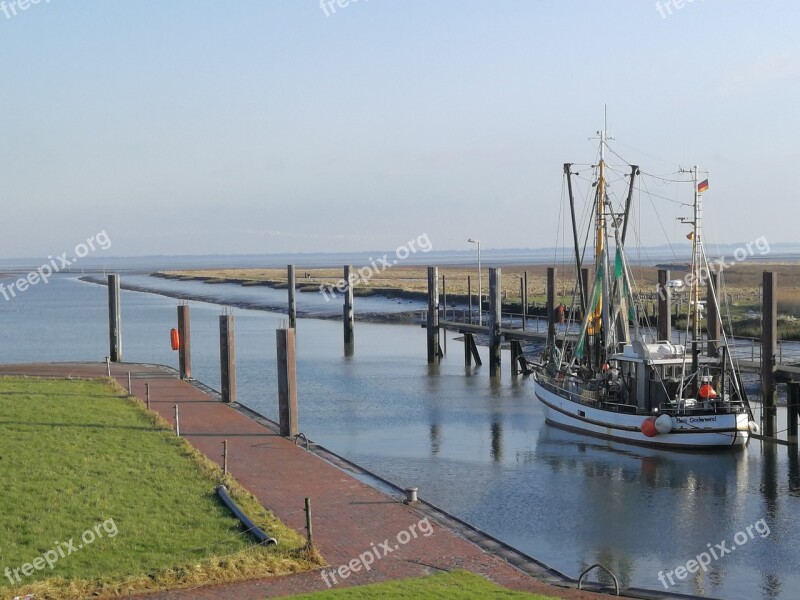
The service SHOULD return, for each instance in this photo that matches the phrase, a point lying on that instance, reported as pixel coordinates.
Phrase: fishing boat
(607, 374)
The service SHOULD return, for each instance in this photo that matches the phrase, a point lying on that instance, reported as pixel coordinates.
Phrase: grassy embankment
(77, 456)
(397, 282)
(459, 585)
(741, 283)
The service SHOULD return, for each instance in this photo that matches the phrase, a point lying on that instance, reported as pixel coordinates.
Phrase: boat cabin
(649, 376)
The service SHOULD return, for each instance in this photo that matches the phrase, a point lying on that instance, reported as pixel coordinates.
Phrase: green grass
(75, 454)
(458, 584)
(787, 329)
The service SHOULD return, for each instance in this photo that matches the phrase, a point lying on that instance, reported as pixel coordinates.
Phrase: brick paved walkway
(348, 516)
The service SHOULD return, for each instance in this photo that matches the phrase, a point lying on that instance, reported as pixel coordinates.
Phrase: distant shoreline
(390, 288)
(406, 317)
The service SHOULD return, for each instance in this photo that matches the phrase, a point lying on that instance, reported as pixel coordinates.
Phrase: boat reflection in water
(639, 508)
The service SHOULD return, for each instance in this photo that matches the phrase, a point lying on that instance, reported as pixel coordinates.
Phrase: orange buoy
(175, 339)
(707, 392)
(560, 311)
(648, 427)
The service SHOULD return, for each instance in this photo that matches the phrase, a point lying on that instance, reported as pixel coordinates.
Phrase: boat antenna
(697, 258)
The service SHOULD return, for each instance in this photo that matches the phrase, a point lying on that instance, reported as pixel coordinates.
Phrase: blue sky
(266, 126)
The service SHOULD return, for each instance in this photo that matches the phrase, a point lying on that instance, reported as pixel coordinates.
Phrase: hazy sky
(266, 126)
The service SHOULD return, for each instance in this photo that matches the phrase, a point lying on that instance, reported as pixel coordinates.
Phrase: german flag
(702, 186)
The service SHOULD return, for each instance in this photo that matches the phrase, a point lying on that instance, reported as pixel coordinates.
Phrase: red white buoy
(648, 427)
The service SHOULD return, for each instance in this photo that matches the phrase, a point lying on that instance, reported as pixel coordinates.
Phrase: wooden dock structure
(773, 364)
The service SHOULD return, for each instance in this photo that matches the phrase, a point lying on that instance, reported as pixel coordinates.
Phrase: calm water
(308, 303)
(476, 447)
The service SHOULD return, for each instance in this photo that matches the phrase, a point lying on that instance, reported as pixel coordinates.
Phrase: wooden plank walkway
(350, 517)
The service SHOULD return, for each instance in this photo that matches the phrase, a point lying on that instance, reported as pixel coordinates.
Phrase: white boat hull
(691, 431)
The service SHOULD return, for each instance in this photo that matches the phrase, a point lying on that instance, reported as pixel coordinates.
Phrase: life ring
(175, 339)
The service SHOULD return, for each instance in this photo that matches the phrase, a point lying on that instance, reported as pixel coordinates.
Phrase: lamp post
(480, 288)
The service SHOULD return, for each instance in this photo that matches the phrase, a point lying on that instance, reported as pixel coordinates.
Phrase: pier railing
(508, 319)
(749, 349)
(524, 326)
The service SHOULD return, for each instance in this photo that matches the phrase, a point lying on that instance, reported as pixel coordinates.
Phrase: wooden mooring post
(793, 411)
(443, 334)
(114, 320)
(287, 382)
(471, 351)
(525, 301)
(348, 317)
(469, 297)
(769, 328)
(434, 352)
(517, 357)
(227, 358)
(495, 338)
(185, 336)
(664, 293)
(291, 288)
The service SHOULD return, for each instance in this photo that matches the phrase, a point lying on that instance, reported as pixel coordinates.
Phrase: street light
(480, 288)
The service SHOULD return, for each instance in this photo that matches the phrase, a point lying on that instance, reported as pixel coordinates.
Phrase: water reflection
(497, 439)
(771, 585)
(769, 479)
(691, 472)
(436, 433)
(622, 505)
(794, 473)
(436, 441)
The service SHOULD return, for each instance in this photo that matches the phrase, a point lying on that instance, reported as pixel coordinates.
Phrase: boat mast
(696, 257)
(697, 254)
(578, 262)
(596, 320)
(628, 200)
(601, 200)
(622, 318)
